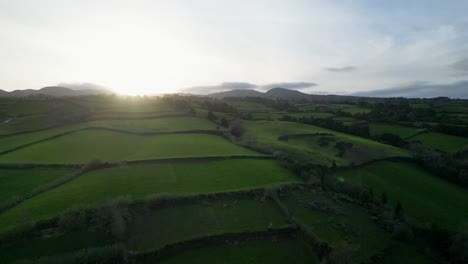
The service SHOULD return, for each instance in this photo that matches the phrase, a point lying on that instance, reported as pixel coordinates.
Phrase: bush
(402, 232)
(236, 128)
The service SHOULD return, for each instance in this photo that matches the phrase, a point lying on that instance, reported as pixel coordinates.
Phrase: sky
(148, 47)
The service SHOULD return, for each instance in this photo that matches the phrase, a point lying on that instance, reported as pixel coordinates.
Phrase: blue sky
(166, 46)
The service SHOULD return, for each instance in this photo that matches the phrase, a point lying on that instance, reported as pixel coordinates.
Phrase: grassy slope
(292, 251)
(343, 222)
(83, 146)
(96, 187)
(423, 196)
(32, 249)
(265, 134)
(143, 125)
(158, 124)
(174, 223)
(22, 182)
(442, 142)
(26, 123)
(356, 110)
(401, 131)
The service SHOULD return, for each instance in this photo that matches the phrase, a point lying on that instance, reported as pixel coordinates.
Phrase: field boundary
(88, 119)
(226, 238)
(135, 162)
(209, 132)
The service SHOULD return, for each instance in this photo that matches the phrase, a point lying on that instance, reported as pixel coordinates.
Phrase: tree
(402, 232)
(384, 198)
(224, 122)
(236, 128)
(212, 116)
(398, 210)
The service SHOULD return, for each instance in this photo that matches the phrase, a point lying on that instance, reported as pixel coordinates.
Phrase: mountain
(285, 94)
(282, 93)
(237, 93)
(56, 91)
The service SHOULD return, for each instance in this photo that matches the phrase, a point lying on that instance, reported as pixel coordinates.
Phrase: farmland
(180, 179)
(265, 134)
(141, 181)
(447, 143)
(113, 146)
(403, 182)
(292, 251)
(187, 221)
(401, 131)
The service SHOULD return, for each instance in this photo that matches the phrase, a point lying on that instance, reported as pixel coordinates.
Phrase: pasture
(401, 131)
(280, 251)
(335, 221)
(356, 110)
(83, 146)
(422, 195)
(21, 182)
(141, 181)
(308, 146)
(447, 143)
(182, 221)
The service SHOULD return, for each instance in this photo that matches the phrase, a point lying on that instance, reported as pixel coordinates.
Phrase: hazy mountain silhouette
(56, 91)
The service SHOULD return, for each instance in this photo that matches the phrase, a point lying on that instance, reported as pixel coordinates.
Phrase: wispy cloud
(422, 90)
(226, 86)
(83, 86)
(341, 69)
(288, 85)
(460, 67)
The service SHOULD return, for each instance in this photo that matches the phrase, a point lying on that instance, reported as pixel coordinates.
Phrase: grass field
(13, 141)
(424, 197)
(169, 224)
(278, 115)
(264, 134)
(447, 143)
(34, 249)
(334, 221)
(401, 131)
(293, 251)
(20, 182)
(452, 108)
(157, 124)
(14, 125)
(141, 181)
(403, 253)
(356, 110)
(83, 146)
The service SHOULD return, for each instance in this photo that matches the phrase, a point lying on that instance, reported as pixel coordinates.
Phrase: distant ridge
(282, 93)
(56, 91)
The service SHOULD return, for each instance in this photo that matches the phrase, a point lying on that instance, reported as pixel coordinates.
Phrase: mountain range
(55, 91)
(281, 93)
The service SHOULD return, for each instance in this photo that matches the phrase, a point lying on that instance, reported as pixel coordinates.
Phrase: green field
(14, 125)
(401, 131)
(334, 221)
(264, 134)
(293, 251)
(189, 220)
(165, 124)
(34, 249)
(141, 181)
(447, 143)
(21, 182)
(157, 124)
(83, 146)
(278, 115)
(356, 110)
(425, 197)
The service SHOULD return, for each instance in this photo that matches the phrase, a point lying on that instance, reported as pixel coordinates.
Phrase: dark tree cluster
(357, 129)
(218, 106)
(452, 167)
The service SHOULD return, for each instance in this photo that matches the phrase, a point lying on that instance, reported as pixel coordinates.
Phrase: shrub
(402, 232)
